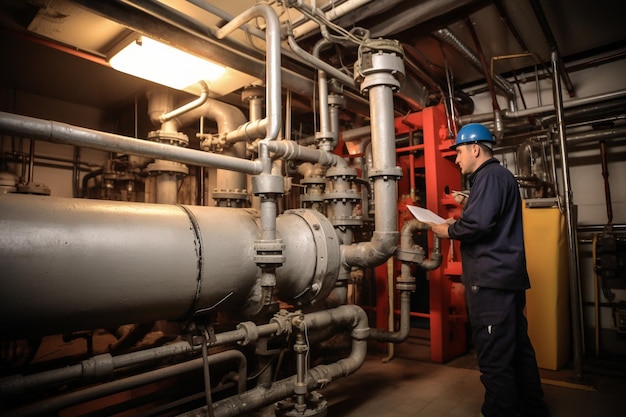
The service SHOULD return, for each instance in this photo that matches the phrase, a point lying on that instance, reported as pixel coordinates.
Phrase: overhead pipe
(448, 37)
(73, 135)
(568, 206)
(497, 114)
(546, 109)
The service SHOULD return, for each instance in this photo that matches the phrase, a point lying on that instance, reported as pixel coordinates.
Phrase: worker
(495, 278)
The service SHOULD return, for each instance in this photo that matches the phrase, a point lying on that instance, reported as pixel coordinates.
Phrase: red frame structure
(447, 316)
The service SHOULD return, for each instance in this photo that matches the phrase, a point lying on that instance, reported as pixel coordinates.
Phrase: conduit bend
(273, 64)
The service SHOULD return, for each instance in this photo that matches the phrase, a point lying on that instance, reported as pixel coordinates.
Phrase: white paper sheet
(425, 215)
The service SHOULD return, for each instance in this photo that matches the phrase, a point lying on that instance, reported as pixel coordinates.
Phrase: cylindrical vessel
(76, 264)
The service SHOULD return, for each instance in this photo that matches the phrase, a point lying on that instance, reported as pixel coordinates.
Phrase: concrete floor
(409, 385)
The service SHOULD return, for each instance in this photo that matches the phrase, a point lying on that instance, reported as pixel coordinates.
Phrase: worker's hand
(440, 229)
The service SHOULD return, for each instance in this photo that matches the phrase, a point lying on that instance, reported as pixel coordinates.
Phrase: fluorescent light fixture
(163, 64)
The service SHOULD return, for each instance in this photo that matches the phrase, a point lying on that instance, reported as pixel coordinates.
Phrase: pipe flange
(343, 196)
(251, 93)
(380, 64)
(160, 166)
(315, 406)
(346, 173)
(386, 173)
(169, 138)
(327, 258)
(312, 198)
(337, 100)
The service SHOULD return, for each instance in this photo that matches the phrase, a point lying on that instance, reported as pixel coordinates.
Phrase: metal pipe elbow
(372, 253)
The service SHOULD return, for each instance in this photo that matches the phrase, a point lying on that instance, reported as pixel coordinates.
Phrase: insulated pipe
(351, 316)
(72, 264)
(60, 402)
(73, 135)
(448, 37)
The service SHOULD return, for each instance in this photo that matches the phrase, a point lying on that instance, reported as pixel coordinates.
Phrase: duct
(193, 259)
(446, 36)
(73, 135)
(352, 316)
(56, 404)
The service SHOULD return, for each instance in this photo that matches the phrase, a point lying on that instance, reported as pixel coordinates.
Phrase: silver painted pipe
(452, 40)
(76, 264)
(291, 151)
(347, 315)
(273, 62)
(318, 63)
(385, 236)
(73, 135)
(189, 106)
(54, 404)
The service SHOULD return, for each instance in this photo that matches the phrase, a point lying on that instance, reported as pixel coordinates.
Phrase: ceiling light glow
(163, 64)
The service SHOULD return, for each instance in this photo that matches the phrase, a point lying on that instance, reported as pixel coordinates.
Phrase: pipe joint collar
(98, 366)
(386, 174)
(251, 332)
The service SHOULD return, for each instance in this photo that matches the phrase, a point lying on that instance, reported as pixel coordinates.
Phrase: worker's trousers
(506, 357)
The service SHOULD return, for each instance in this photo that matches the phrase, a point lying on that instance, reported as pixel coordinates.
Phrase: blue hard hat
(474, 133)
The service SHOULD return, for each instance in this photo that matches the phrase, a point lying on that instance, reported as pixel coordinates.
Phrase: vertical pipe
(571, 226)
(384, 156)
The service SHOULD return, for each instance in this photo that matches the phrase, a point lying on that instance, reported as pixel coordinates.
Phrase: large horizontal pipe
(76, 264)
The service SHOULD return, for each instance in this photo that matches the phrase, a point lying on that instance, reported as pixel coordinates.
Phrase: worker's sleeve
(482, 211)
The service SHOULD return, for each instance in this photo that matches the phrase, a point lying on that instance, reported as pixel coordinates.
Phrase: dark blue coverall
(495, 279)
